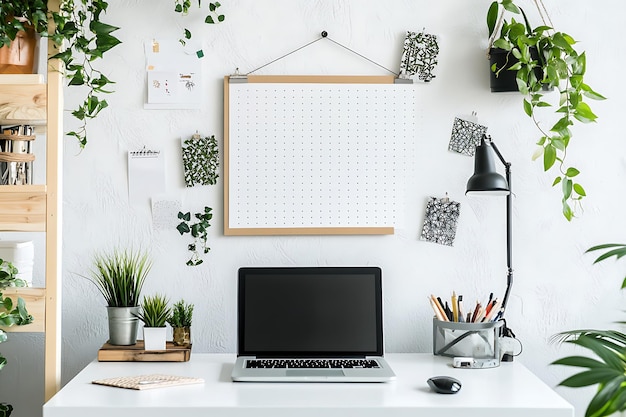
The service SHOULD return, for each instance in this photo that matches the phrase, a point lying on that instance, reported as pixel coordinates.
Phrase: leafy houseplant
(198, 231)
(154, 314)
(119, 276)
(183, 6)
(554, 65)
(180, 321)
(608, 371)
(81, 39)
(10, 314)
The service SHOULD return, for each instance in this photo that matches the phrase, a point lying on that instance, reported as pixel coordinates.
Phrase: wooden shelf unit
(26, 99)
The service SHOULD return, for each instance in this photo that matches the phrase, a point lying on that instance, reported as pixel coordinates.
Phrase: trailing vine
(198, 231)
(213, 16)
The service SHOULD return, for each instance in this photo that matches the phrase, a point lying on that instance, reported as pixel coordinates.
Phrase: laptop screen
(310, 311)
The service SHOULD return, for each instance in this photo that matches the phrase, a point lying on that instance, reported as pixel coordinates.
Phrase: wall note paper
(146, 175)
(174, 78)
(165, 212)
(440, 221)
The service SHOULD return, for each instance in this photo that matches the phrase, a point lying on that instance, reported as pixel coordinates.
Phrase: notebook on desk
(310, 324)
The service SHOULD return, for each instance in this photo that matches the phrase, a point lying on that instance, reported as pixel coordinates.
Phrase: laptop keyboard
(312, 363)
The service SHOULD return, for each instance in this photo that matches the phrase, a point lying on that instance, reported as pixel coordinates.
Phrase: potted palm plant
(180, 321)
(10, 314)
(540, 59)
(608, 368)
(119, 276)
(154, 314)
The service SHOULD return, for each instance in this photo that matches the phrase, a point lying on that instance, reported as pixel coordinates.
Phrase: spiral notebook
(146, 175)
(143, 382)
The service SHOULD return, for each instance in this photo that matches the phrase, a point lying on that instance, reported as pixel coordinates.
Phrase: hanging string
(284, 56)
(496, 30)
(364, 57)
(544, 15)
(324, 35)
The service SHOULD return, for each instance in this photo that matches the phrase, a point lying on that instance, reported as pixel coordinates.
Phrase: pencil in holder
(473, 340)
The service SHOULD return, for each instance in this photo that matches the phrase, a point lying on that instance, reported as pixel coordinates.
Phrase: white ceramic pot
(154, 338)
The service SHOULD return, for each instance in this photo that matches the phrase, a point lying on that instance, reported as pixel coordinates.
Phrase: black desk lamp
(486, 181)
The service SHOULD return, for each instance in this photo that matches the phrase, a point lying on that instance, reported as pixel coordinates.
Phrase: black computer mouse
(444, 384)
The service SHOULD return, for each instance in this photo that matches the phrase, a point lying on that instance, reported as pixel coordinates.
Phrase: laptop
(310, 324)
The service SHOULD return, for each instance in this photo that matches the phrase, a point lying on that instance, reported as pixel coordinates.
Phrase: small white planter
(154, 338)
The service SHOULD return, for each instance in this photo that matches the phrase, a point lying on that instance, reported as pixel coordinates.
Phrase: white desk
(510, 390)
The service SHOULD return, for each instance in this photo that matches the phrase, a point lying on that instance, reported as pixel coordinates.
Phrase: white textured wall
(556, 286)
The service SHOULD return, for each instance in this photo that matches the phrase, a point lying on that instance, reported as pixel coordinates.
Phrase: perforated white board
(318, 155)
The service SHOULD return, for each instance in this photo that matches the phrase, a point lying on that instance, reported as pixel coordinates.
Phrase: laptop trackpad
(314, 372)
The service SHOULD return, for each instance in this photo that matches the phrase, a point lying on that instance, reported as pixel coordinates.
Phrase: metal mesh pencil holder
(473, 340)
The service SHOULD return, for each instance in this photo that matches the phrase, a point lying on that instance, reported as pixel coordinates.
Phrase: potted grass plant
(10, 315)
(180, 321)
(154, 314)
(119, 276)
(538, 60)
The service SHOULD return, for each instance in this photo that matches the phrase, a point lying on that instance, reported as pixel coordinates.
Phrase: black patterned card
(466, 136)
(440, 221)
(419, 56)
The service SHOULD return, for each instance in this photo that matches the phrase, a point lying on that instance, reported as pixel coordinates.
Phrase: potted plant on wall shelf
(81, 39)
(10, 314)
(608, 368)
(180, 321)
(154, 315)
(542, 60)
(119, 276)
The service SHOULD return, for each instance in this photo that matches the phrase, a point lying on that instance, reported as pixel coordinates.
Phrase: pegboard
(316, 155)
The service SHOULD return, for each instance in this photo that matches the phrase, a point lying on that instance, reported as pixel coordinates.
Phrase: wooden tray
(136, 353)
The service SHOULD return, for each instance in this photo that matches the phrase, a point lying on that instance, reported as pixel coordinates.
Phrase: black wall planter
(505, 81)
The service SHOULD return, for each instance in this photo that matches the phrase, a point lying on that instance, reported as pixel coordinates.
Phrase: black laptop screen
(310, 311)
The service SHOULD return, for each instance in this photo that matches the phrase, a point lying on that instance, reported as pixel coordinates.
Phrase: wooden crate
(137, 353)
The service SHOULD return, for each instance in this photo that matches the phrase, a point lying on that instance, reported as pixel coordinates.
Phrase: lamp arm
(509, 251)
(509, 233)
(497, 151)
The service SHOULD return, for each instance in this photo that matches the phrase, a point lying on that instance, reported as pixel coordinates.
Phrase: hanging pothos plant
(213, 16)
(80, 37)
(545, 60)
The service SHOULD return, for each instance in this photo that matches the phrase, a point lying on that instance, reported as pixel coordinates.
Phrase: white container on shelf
(20, 253)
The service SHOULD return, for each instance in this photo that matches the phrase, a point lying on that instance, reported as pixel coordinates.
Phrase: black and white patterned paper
(200, 160)
(440, 221)
(466, 136)
(419, 57)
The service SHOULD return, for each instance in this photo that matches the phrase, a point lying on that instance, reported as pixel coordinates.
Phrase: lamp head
(486, 180)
